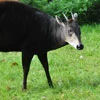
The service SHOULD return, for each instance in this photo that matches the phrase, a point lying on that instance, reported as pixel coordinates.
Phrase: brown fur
(8, 0)
(70, 20)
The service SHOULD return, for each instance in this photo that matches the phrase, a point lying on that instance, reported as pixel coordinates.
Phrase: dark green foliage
(93, 13)
(88, 10)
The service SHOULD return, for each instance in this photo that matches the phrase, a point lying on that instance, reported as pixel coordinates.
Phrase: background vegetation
(88, 10)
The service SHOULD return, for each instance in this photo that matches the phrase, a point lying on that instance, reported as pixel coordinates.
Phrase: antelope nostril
(80, 47)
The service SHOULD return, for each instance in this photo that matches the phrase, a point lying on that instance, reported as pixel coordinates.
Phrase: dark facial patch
(75, 27)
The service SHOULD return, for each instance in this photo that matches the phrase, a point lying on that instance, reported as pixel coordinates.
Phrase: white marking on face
(73, 40)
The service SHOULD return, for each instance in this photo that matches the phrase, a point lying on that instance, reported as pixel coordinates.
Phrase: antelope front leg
(44, 62)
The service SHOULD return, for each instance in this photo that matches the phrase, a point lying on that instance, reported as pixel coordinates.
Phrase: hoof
(51, 85)
(24, 89)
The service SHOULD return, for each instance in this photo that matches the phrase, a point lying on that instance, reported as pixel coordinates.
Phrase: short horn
(57, 19)
(72, 15)
(65, 17)
(60, 23)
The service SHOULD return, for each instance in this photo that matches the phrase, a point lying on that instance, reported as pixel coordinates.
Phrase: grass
(75, 74)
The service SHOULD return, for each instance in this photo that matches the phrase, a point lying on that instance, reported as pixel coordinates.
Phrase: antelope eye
(69, 31)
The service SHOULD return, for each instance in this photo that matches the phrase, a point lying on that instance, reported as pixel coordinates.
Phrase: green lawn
(75, 74)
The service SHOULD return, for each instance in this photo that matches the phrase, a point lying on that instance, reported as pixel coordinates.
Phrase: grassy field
(75, 74)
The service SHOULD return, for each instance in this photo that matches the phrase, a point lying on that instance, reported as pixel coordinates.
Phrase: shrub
(92, 15)
(89, 10)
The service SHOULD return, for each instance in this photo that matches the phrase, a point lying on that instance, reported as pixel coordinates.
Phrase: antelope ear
(59, 22)
(74, 16)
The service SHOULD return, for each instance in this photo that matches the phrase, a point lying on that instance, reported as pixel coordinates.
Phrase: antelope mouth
(80, 47)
